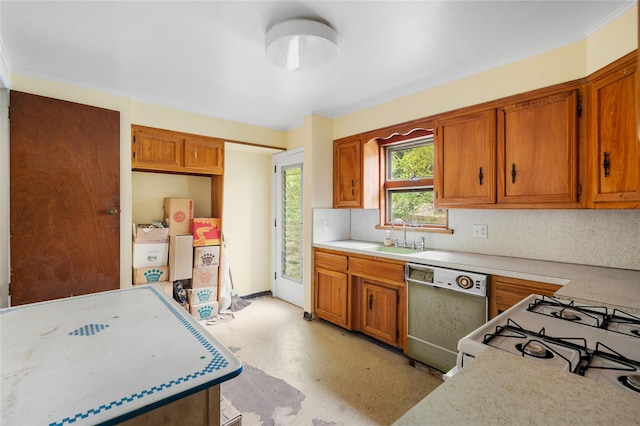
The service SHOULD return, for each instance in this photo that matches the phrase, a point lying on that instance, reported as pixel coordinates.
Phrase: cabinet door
(379, 312)
(347, 169)
(332, 297)
(465, 150)
(156, 150)
(505, 292)
(204, 156)
(614, 155)
(538, 151)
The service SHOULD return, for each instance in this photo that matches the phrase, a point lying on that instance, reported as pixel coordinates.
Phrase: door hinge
(275, 276)
(274, 169)
(275, 223)
(579, 106)
(579, 191)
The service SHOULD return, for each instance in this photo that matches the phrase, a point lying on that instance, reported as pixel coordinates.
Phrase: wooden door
(347, 169)
(379, 312)
(65, 176)
(332, 296)
(614, 155)
(538, 151)
(465, 151)
(204, 155)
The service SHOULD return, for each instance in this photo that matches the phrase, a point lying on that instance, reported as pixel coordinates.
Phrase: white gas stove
(594, 341)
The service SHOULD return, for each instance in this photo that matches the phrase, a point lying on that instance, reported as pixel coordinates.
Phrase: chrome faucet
(404, 227)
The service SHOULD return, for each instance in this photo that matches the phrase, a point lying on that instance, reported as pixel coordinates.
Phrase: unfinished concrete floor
(298, 372)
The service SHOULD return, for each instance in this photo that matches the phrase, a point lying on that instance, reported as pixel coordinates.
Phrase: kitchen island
(131, 355)
(498, 388)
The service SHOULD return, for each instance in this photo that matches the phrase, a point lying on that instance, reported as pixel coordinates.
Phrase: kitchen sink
(395, 249)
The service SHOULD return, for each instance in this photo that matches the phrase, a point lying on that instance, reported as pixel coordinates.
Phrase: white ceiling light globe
(301, 44)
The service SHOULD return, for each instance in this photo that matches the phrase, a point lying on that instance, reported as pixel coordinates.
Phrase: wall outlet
(325, 224)
(480, 231)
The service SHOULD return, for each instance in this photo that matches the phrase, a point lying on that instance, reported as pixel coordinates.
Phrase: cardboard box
(147, 234)
(204, 276)
(196, 296)
(178, 213)
(206, 231)
(204, 311)
(150, 275)
(206, 256)
(146, 255)
(180, 257)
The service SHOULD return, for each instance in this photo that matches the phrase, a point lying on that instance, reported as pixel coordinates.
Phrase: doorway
(288, 237)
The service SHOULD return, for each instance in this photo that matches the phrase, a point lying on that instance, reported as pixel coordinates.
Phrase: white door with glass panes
(287, 184)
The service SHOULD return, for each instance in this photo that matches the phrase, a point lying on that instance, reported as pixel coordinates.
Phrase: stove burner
(567, 314)
(535, 350)
(631, 381)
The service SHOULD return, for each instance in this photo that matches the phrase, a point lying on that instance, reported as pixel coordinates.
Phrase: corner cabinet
(356, 177)
(465, 152)
(505, 292)
(614, 148)
(162, 150)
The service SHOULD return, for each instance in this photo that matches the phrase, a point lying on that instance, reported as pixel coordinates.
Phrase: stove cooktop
(593, 341)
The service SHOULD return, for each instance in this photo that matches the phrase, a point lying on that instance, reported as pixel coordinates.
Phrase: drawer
(377, 269)
(333, 261)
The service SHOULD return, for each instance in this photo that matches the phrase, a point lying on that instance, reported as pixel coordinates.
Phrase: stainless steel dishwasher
(443, 305)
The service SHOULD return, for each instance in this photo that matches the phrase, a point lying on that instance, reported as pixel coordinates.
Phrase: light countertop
(616, 288)
(499, 388)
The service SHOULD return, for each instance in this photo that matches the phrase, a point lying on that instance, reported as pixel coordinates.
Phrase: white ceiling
(208, 56)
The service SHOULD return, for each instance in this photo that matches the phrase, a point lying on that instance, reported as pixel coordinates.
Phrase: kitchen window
(408, 183)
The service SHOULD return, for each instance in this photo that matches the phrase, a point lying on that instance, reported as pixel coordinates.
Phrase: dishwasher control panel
(466, 282)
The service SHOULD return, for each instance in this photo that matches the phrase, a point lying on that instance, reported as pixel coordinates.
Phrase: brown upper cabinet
(538, 151)
(356, 179)
(614, 149)
(168, 151)
(571, 145)
(521, 153)
(465, 152)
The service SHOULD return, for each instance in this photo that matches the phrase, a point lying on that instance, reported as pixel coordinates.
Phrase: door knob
(112, 211)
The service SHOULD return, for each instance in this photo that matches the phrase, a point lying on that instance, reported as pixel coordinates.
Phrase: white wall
(5, 84)
(247, 215)
(4, 195)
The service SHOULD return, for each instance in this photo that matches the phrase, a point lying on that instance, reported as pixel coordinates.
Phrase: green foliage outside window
(413, 204)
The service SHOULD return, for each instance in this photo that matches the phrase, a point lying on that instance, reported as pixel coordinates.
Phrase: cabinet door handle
(606, 164)
(371, 301)
(513, 173)
(480, 176)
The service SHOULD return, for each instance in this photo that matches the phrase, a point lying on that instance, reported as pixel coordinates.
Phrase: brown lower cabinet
(361, 293)
(505, 292)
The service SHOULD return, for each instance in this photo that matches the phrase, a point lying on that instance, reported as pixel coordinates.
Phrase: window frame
(386, 185)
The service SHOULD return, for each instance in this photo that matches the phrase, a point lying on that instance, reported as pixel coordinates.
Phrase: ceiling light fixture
(301, 44)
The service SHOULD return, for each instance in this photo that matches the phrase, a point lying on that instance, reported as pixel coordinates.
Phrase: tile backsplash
(609, 238)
